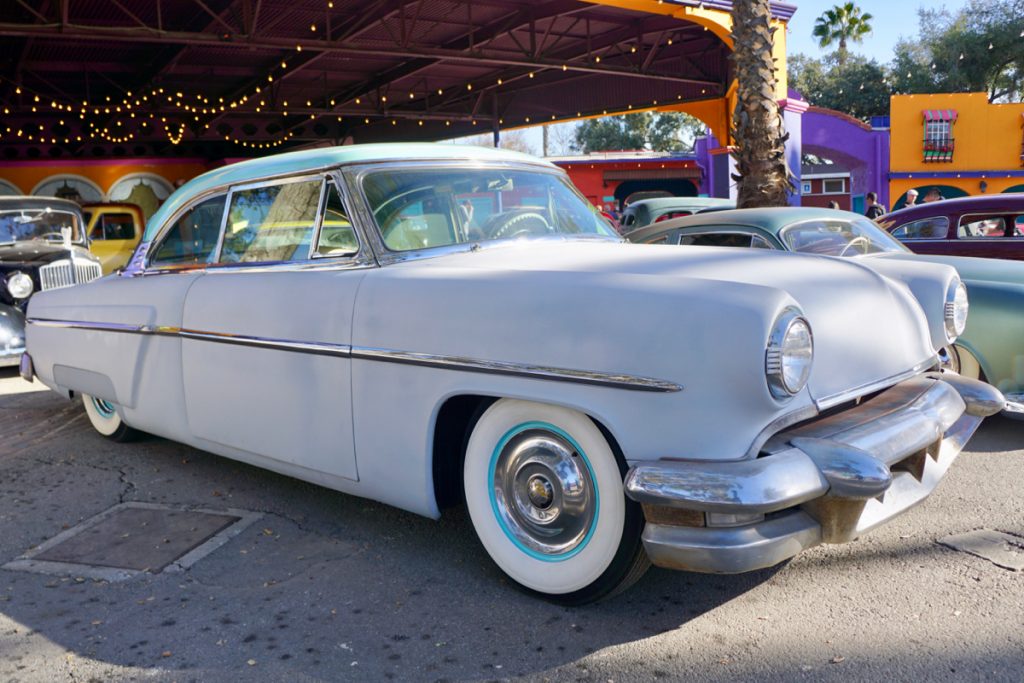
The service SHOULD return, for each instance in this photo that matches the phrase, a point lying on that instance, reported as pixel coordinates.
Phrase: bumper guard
(827, 481)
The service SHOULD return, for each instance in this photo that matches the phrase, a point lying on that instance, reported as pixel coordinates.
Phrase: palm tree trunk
(763, 176)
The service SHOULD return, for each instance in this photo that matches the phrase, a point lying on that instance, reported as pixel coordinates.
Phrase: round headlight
(19, 285)
(790, 354)
(956, 310)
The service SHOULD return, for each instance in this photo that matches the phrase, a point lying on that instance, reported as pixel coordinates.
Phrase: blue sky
(892, 19)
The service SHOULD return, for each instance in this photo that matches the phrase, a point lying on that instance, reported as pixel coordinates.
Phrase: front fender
(995, 332)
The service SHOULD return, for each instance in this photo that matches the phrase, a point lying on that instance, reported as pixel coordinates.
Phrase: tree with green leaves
(859, 88)
(763, 177)
(978, 49)
(655, 131)
(841, 25)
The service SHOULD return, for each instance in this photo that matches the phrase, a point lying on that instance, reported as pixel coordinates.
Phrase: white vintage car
(421, 323)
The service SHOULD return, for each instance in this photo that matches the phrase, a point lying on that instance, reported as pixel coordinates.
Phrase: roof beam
(105, 33)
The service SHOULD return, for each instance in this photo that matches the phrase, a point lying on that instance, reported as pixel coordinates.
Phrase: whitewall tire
(106, 420)
(543, 489)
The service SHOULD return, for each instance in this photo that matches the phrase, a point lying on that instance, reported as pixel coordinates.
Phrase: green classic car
(991, 347)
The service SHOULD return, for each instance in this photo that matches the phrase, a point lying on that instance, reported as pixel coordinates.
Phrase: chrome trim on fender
(313, 348)
(833, 400)
(617, 381)
(604, 379)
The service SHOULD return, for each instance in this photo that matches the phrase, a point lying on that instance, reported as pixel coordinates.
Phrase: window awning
(939, 114)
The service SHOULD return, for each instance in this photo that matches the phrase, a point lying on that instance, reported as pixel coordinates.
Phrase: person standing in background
(932, 195)
(911, 197)
(874, 208)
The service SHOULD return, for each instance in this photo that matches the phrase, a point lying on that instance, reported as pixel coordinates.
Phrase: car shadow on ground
(325, 583)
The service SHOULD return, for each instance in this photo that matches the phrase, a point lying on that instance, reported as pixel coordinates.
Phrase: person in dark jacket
(874, 208)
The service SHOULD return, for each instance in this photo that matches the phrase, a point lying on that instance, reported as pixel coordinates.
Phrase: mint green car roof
(771, 220)
(312, 160)
(673, 202)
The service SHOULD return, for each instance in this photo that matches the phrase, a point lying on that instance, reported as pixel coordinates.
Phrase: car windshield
(839, 237)
(426, 208)
(37, 224)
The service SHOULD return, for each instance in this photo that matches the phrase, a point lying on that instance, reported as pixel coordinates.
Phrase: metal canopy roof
(216, 78)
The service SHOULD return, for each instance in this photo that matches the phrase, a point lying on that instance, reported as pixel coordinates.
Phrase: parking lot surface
(324, 586)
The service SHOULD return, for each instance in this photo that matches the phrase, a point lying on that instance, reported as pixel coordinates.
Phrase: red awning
(939, 114)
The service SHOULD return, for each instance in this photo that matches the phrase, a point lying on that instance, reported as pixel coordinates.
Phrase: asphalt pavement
(325, 586)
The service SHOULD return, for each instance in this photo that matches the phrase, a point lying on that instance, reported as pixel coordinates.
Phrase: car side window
(114, 226)
(934, 228)
(991, 226)
(193, 237)
(271, 223)
(337, 238)
(663, 239)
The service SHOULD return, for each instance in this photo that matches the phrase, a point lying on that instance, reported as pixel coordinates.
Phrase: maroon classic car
(991, 227)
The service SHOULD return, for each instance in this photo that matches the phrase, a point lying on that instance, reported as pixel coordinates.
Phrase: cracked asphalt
(330, 587)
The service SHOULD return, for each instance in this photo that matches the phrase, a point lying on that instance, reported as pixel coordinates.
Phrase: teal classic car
(647, 211)
(991, 347)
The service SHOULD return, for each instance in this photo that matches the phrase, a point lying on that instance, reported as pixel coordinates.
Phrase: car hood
(38, 252)
(867, 328)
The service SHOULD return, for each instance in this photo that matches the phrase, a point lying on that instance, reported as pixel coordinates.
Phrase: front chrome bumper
(827, 481)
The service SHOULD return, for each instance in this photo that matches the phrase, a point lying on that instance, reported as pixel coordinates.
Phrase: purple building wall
(852, 144)
(848, 141)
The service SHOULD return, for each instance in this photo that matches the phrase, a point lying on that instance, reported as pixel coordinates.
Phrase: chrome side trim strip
(835, 399)
(617, 381)
(603, 379)
(313, 348)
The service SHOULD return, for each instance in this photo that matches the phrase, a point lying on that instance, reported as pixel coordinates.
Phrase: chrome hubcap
(104, 408)
(543, 492)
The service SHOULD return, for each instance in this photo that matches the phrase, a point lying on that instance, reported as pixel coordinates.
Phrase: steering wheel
(859, 239)
(519, 225)
(49, 236)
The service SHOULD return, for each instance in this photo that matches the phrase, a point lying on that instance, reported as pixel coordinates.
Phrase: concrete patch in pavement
(1003, 550)
(130, 539)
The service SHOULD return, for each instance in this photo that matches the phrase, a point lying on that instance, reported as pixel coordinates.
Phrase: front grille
(58, 274)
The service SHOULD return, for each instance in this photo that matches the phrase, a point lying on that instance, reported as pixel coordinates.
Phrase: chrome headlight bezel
(20, 285)
(784, 347)
(954, 313)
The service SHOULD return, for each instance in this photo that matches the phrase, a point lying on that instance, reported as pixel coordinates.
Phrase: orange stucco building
(959, 143)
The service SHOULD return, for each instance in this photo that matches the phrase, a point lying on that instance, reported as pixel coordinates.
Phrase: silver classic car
(427, 324)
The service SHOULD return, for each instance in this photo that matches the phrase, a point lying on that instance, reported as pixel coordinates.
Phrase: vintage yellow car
(114, 231)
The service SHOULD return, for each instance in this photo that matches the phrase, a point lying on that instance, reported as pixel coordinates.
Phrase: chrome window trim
(255, 185)
(346, 201)
(354, 174)
(158, 239)
(445, 362)
(833, 400)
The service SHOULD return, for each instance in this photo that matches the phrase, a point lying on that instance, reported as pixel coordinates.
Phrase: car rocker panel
(368, 372)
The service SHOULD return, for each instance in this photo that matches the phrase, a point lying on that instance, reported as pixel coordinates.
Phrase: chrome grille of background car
(58, 274)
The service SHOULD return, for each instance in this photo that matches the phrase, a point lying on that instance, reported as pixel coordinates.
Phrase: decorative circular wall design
(9, 189)
(67, 185)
